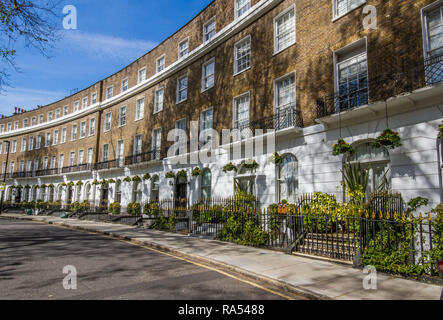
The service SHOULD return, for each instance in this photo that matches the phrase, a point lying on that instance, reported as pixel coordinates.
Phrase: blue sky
(110, 35)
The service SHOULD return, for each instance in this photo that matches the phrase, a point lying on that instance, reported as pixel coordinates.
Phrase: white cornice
(250, 16)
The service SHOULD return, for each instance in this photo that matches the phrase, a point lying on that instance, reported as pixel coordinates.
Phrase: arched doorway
(118, 191)
(377, 161)
(18, 195)
(59, 193)
(87, 195)
(51, 194)
(206, 184)
(70, 195)
(288, 179)
(34, 194)
(137, 192)
(104, 193)
(155, 188)
(181, 192)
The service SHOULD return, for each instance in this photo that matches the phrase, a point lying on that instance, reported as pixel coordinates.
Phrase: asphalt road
(32, 258)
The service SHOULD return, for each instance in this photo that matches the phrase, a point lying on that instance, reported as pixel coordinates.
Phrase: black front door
(181, 193)
(104, 199)
(70, 195)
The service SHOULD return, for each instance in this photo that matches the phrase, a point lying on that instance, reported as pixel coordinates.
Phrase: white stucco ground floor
(414, 169)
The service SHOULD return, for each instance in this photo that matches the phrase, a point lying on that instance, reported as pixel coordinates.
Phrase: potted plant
(51, 186)
(111, 181)
(182, 174)
(342, 147)
(389, 139)
(136, 179)
(115, 207)
(229, 167)
(27, 187)
(63, 184)
(146, 177)
(104, 182)
(277, 159)
(95, 182)
(134, 208)
(127, 179)
(196, 172)
(283, 207)
(79, 183)
(170, 175)
(70, 184)
(251, 165)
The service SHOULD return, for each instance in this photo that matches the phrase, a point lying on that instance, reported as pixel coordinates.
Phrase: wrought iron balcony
(111, 164)
(384, 86)
(77, 168)
(144, 157)
(288, 117)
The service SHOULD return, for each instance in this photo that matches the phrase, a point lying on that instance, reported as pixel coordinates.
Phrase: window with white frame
(76, 106)
(160, 64)
(137, 150)
(285, 93)
(33, 121)
(107, 126)
(65, 110)
(208, 72)
(81, 157)
(105, 153)
(85, 103)
(284, 30)
(45, 163)
(342, 7)
(83, 129)
(21, 166)
(241, 6)
(206, 126)
(351, 73)
(109, 92)
(156, 142)
(71, 159)
(48, 140)
(120, 153)
(53, 162)
(2, 128)
(74, 133)
(9, 126)
(125, 85)
(433, 42)
(24, 143)
(31, 144)
(91, 127)
(140, 109)
(93, 98)
(55, 140)
(39, 142)
(141, 75)
(180, 133)
(25, 123)
(182, 89)
(158, 100)
(209, 30)
(242, 55)
(11, 167)
(61, 162)
(16, 125)
(241, 111)
(29, 166)
(40, 119)
(90, 153)
(183, 49)
(1, 147)
(122, 117)
(57, 113)
(64, 134)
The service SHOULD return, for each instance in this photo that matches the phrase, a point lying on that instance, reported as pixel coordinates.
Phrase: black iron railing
(77, 168)
(112, 164)
(385, 85)
(288, 117)
(143, 157)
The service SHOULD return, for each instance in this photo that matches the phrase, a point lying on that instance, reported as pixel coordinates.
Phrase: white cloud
(104, 46)
(27, 99)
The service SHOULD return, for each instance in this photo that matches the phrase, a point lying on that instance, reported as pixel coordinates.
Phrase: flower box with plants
(389, 139)
(70, 184)
(79, 183)
(115, 208)
(182, 174)
(51, 186)
(63, 184)
(95, 182)
(127, 179)
(134, 208)
(342, 147)
(104, 182)
(277, 159)
(170, 175)
(196, 172)
(27, 187)
(146, 177)
(229, 168)
(251, 165)
(136, 179)
(111, 181)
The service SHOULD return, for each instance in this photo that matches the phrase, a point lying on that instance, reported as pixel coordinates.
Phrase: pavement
(312, 278)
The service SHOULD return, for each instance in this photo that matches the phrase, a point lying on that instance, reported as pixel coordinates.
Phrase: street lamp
(4, 175)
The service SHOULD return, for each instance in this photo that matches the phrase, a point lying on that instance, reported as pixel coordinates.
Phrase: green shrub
(115, 207)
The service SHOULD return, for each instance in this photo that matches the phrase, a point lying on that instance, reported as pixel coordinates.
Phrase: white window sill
(204, 90)
(138, 119)
(346, 13)
(181, 101)
(281, 50)
(155, 112)
(240, 72)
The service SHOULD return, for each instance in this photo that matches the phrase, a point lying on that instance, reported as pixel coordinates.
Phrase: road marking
(180, 258)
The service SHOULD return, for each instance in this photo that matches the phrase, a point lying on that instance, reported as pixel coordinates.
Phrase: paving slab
(314, 278)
